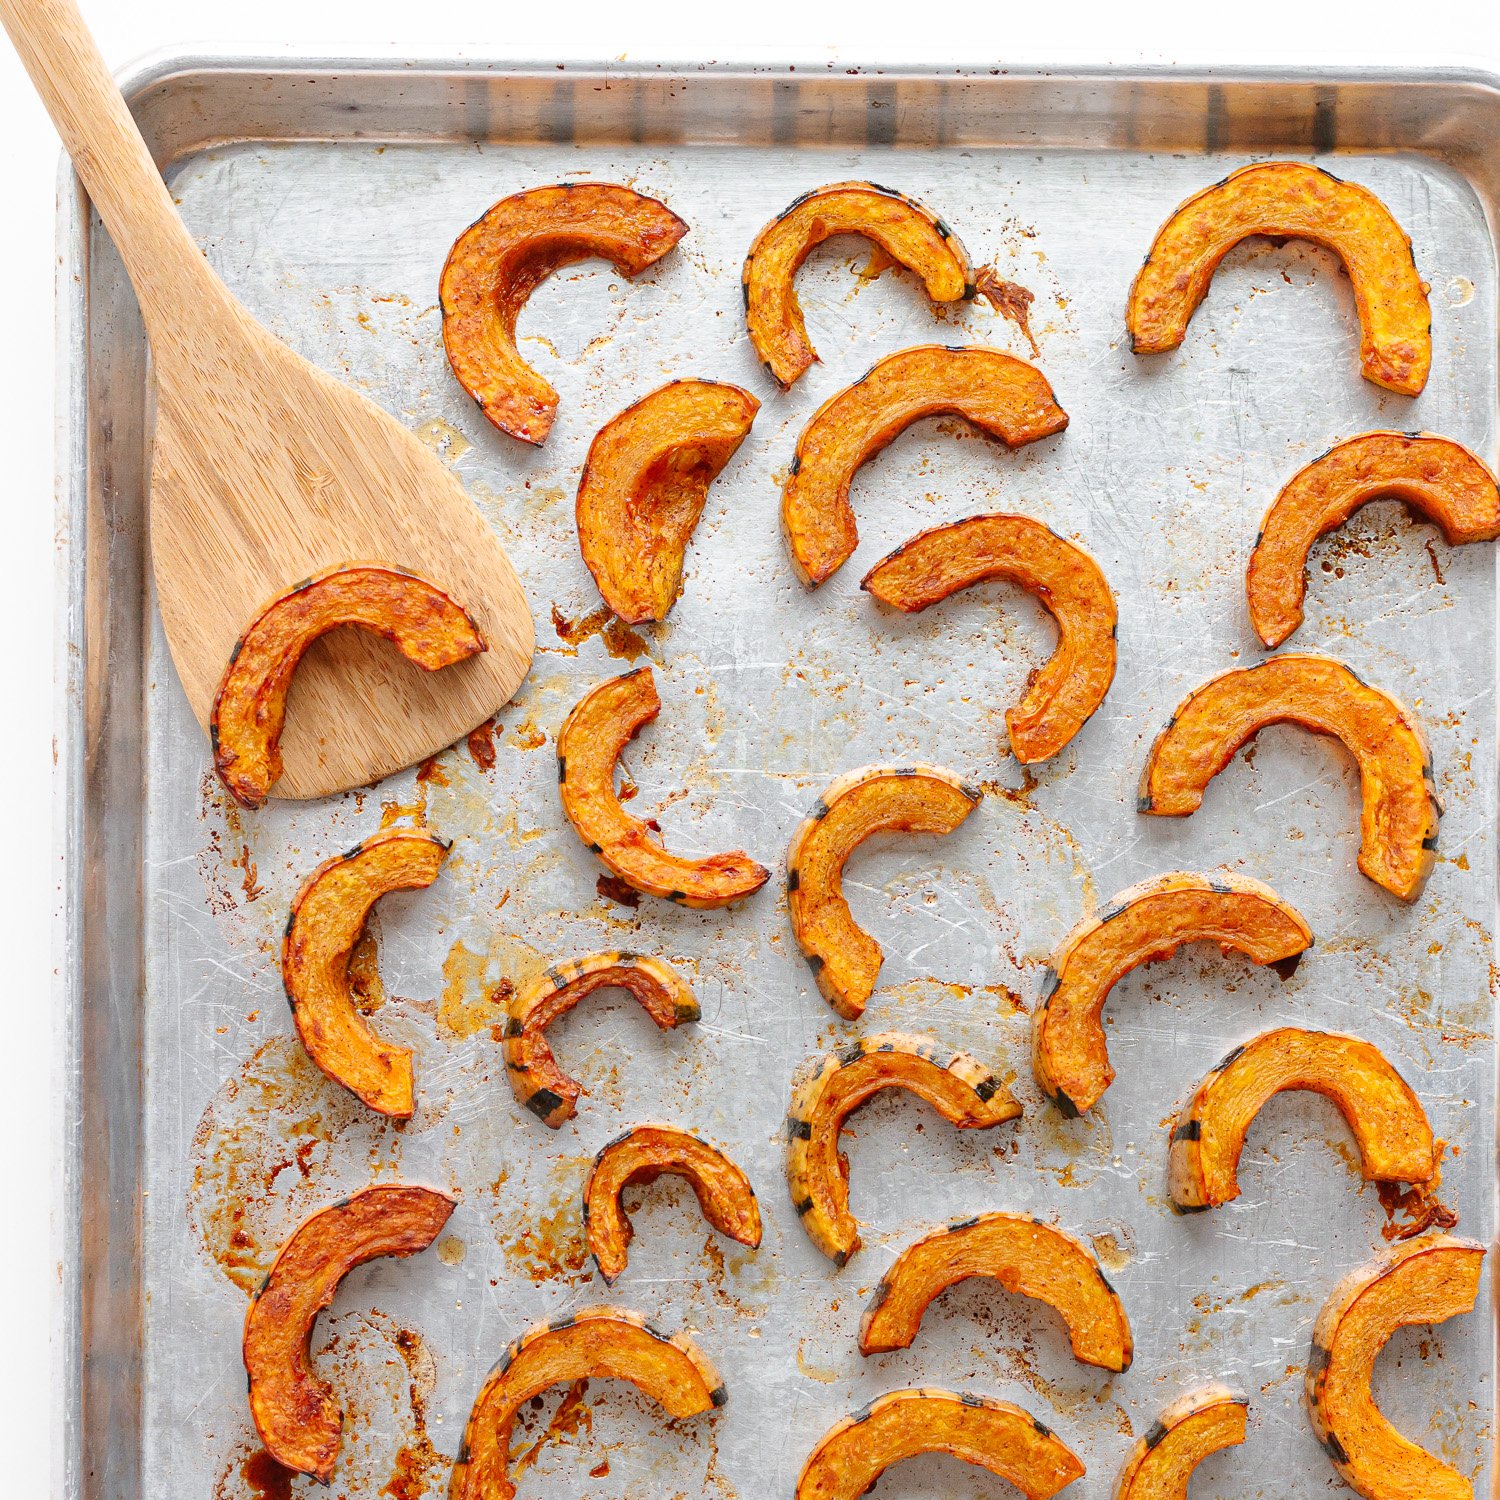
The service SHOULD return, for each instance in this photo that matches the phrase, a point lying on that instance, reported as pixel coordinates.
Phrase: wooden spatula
(266, 470)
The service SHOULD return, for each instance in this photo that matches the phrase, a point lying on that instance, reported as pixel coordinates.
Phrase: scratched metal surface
(768, 693)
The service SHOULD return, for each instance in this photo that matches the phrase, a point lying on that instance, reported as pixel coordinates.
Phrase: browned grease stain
(1011, 300)
(431, 773)
(477, 987)
(619, 639)
(482, 745)
(1113, 1256)
(244, 861)
(571, 1418)
(417, 1462)
(1411, 1211)
(264, 1478)
(215, 862)
(546, 1239)
(527, 736)
(612, 888)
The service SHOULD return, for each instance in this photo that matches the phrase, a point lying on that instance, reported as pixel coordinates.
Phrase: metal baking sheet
(327, 193)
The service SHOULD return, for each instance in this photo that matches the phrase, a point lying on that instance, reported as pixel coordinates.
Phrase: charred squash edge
(1226, 1410)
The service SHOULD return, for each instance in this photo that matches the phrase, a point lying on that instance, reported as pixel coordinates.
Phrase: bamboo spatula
(265, 471)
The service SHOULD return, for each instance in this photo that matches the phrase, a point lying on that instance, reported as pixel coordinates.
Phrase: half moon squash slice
(1161, 1464)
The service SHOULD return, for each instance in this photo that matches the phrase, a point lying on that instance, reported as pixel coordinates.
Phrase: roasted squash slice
(1438, 478)
(642, 1154)
(1427, 1280)
(1004, 397)
(827, 1090)
(1070, 1054)
(535, 1077)
(1027, 1258)
(249, 710)
(501, 259)
(1161, 1464)
(601, 724)
(1061, 697)
(877, 799)
(327, 920)
(1291, 200)
(1389, 1124)
(991, 1434)
(644, 485)
(295, 1412)
(597, 1343)
(911, 235)
(1399, 814)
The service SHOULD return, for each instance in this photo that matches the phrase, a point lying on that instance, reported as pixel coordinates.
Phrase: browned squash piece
(1002, 396)
(601, 724)
(1389, 1124)
(1061, 697)
(1426, 1280)
(295, 1412)
(991, 1434)
(911, 235)
(328, 918)
(1070, 1054)
(535, 1077)
(1440, 479)
(597, 1343)
(1161, 1464)
(249, 710)
(644, 485)
(1029, 1259)
(501, 259)
(827, 1090)
(642, 1154)
(1399, 812)
(1291, 200)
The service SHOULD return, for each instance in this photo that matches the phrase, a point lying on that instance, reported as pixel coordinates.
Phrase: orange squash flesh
(249, 710)
(1389, 1124)
(827, 1090)
(1061, 697)
(295, 1412)
(1160, 1465)
(1002, 396)
(501, 259)
(1426, 1280)
(1070, 1054)
(642, 1154)
(1291, 200)
(644, 486)
(913, 236)
(327, 919)
(601, 724)
(598, 1343)
(535, 1077)
(1399, 806)
(1029, 1259)
(1440, 479)
(903, 799)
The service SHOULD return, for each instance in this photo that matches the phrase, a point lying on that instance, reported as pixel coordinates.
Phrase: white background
(1182, 32)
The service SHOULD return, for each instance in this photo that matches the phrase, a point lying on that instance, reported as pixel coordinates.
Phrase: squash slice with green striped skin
(601, 724)
(327, 920)
(980, 1430)
(1389, 1124)
(877, 799)
(597, 1343)
(1029, 1259)
(295, 1412)
(1399, 806)
(1427, 1280)
(828, 1089)
(1161, 1464)
(535, 1078)
(1291, 200)
(1070, 1053)
(911, 235)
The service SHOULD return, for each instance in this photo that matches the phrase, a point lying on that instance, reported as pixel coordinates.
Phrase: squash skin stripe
(1161, 1464)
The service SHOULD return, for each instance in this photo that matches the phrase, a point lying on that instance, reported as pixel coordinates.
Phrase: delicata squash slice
(1070, 1054)
(597, 1343)
(1026, 1257)
(249, 710)
(1438, 478)
(500, 260)
(1291, 200)
(1061, 697)
(828, 1089)
(295, 1412)
(601, 724)
(1399, 806)
(877, 799)
(1426, 1280)
(1161, 1464)
(1003, 396)
(1389, 1124)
